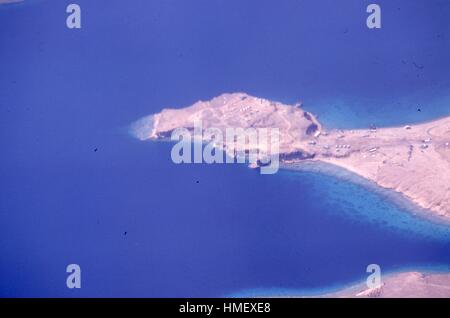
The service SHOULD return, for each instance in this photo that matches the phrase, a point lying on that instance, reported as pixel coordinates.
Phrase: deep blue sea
(75, 187)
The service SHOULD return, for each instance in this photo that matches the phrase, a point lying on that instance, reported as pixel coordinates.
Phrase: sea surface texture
(77, 188)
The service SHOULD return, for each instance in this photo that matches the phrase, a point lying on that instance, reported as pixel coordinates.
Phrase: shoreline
(397, 198)
(319, 107)
(412, 277)
(349, 289)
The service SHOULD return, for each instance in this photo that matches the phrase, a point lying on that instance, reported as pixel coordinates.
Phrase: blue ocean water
(75, 187)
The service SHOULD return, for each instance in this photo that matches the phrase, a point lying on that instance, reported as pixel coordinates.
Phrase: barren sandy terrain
(413, 160)
(402, 285)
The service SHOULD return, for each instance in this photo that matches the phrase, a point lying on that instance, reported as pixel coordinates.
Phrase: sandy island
(401, 285)
(413, 160)
(408, 284)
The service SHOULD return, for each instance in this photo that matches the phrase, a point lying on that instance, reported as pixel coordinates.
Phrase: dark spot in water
(311, 129)
(418, 66)
(197, 181)
(125, 233)
(96, 149)
(419, 110)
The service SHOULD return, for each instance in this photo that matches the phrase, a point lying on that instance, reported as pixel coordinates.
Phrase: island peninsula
(413, 160)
